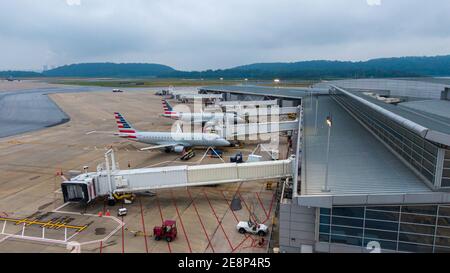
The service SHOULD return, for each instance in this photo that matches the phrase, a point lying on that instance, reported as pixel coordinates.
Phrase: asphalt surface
(30, 110)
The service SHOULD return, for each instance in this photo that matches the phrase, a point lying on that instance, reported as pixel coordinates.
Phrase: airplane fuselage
(200, 118)
(181, 139)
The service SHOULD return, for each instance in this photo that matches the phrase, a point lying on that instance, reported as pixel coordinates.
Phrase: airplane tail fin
(168, 109)
(169, 112)
(125, 128)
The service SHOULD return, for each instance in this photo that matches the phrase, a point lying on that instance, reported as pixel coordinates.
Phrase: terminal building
(374, 167)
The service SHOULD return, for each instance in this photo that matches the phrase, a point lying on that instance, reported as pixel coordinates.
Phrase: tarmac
(30, 164)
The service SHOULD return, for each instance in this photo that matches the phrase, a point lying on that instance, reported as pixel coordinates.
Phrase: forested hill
(386, 67)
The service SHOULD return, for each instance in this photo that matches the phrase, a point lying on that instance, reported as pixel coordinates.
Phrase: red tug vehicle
(168, 231)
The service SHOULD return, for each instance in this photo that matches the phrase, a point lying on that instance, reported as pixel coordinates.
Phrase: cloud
(374, 2)
(73, 2)
(203, 34)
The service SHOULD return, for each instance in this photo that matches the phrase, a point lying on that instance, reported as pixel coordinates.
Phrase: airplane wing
(158, 147)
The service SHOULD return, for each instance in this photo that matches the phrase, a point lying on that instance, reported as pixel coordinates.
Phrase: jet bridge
(109, 180)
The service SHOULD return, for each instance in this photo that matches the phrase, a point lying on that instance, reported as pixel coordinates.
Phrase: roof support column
(439, 168)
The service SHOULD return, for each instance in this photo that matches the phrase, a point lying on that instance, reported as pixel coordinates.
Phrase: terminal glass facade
(446, 172)
(422, 229)
(420, 153)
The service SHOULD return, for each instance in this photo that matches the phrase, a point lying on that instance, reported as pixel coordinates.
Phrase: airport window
(325, 229)
(324, 238)
(418, 228)
(388, 216)
(445, 182)
(346, 240)
(447, 164)
(349, 212)
(391, 226)
(446, 173)
(325, 211)
(406, 247)
(431, 148)
(414, 238)
(418, 219)
(326, 220)
(355, 232)
(442, 250)
(429, 176)
(349, 222)
(421, 229)
(428, 166)
(393, 208)
(443, 231)
(382, 235)
(444, 211)
(429, 210)
(442, 241)
(444, 221)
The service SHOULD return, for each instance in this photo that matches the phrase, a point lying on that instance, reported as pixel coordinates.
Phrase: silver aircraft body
(204, 118)
(170, 141)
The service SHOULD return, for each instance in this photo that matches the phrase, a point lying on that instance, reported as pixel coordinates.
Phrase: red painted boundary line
(162, 219)
(123, 237)
(242, 242)
(229, 205)
(270, 209)
(247, 236)
(237, 220)
(143, 225)
(262, 205)
(218, 221)
(201, 222)
(245, 203)
(181, 221)
(101, 247)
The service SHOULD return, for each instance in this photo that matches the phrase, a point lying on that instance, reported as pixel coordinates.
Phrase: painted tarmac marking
(218, 220)
(143, 225)
(50, 224)
(162, 219)
(247, 236)
(181, 221)
(262, 205)
(201, 223)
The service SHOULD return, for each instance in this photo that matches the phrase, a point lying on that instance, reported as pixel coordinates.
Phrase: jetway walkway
(240, 130)
(109, 180)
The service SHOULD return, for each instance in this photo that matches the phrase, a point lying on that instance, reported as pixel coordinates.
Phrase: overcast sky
(204, 34)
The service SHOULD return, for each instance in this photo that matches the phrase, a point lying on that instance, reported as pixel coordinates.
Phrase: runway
(30, 110)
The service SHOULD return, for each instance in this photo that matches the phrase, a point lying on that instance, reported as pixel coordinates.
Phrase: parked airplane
(204, 118)
(171, 142)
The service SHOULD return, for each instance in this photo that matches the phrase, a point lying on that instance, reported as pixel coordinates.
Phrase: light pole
(221, 83)
(326, 188)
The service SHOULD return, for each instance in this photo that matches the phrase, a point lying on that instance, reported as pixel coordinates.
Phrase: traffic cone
(100, 214)
(108, 214)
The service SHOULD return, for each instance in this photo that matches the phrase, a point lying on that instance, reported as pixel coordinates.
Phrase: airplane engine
(178, 149)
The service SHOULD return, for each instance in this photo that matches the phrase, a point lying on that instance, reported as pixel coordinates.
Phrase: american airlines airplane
(204, 118)
(171, 142)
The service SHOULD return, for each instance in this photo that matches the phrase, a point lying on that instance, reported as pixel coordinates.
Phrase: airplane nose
(226, 143)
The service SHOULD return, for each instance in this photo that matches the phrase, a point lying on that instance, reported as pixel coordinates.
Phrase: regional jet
(204, 118)
(176, 142)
